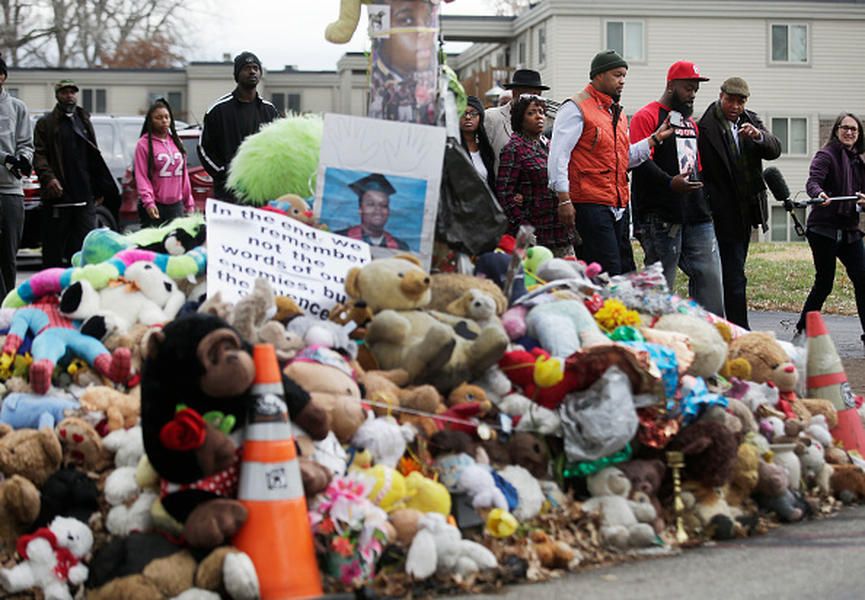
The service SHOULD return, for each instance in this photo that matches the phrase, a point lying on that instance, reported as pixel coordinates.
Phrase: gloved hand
(18, 166)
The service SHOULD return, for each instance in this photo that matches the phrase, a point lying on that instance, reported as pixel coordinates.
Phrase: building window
(521, 53)
(792, 132)
(286, 103)
(626, 38)
(790, 44)
(292, 102)
(278, 100)
(93, 100)
(542, 45)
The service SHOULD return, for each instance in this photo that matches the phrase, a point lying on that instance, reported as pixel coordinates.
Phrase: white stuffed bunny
(438, 546)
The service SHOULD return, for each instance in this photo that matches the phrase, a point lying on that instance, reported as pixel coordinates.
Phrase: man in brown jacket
(72, 174)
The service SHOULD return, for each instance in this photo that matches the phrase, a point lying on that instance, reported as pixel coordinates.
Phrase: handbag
(470, 219)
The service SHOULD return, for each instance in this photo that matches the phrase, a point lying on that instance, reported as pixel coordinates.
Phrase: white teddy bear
(384, 438)
(438, 546)
(52, 559)
(477, 481)
(143, 295)
(624, 523)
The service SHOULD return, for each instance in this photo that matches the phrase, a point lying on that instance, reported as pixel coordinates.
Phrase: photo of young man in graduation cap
(373, 194)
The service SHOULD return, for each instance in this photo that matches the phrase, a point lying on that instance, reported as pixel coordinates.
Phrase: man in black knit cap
(231, 119)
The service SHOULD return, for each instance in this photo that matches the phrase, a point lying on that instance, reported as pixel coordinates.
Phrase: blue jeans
(694, 249)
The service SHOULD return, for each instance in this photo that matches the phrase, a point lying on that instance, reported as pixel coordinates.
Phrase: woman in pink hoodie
(161, 175)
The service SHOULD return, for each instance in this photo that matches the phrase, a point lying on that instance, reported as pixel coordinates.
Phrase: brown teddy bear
(122, 411)
(146, 567)
(553, 554)
(34, 454)
(82, 445)
(388, 387)
(745, 477)
(19, 508)
(769, 362)
(433, 347)
(646, 477)
(848, 483)
(447, 288)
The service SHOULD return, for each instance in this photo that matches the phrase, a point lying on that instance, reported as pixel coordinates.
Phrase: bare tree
(19, 29)
(510, 7)
(91, 33)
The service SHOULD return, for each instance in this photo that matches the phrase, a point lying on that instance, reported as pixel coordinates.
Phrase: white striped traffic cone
(277, 535)
(826, 376)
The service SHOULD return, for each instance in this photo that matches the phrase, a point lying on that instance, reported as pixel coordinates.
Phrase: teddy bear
(530, 495)
(389, 388)
(710, 451)
(477, 305)
(329, 379)
(768, 362)
(710, 506)
(815, 472)
(773, 493)
(122, 410)
(438, 547)
(433, 347)
(646, 477)
(384, 438)
(848, 483)
(19, 508)
(34, 454)
(625, 524)
(709, 347)
(553, 554)
(147, 566)
(252, 318)
(447, 288)
(82, 445)
(744, 479)
(199, 366)
(312, 331)
(52, 559)
(144, 294)
(69, 492)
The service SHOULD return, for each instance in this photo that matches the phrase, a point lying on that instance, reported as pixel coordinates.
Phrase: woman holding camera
(833, 226)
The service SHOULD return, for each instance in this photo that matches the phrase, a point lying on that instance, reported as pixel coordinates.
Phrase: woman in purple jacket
(833, 227)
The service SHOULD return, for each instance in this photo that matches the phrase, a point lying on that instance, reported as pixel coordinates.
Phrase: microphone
(776, 184)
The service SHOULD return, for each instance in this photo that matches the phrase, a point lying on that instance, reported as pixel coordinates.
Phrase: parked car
(201, 182)
(116, 138)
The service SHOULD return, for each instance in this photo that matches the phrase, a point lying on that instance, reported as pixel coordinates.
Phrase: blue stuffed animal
(35, 411)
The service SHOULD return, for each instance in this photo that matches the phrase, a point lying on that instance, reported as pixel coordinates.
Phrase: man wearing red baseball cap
(671, 215)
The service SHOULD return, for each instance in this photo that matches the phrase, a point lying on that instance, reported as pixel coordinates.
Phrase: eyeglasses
(850, 128)
(470, 114)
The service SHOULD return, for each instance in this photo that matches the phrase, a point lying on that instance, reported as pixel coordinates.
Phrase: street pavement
(819, 559)
(845, 331)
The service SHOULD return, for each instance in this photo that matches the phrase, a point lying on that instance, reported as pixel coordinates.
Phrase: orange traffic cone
(277, 535)
(826, 376)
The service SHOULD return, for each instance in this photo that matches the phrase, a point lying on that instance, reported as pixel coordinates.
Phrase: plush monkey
(199, 366)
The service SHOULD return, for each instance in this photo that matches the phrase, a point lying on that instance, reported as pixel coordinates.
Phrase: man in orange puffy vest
(589, 159)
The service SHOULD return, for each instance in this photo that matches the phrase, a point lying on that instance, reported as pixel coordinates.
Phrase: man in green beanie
(589, 159)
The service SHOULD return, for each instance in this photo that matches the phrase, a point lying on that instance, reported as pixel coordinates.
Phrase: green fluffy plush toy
(280, 159)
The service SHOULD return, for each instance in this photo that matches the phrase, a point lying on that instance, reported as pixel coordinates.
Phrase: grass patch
(779, 278)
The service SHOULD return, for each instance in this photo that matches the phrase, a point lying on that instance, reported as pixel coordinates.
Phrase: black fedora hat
(526, 78)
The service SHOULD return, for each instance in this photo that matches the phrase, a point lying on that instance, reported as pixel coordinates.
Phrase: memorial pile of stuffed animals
(450, 434)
